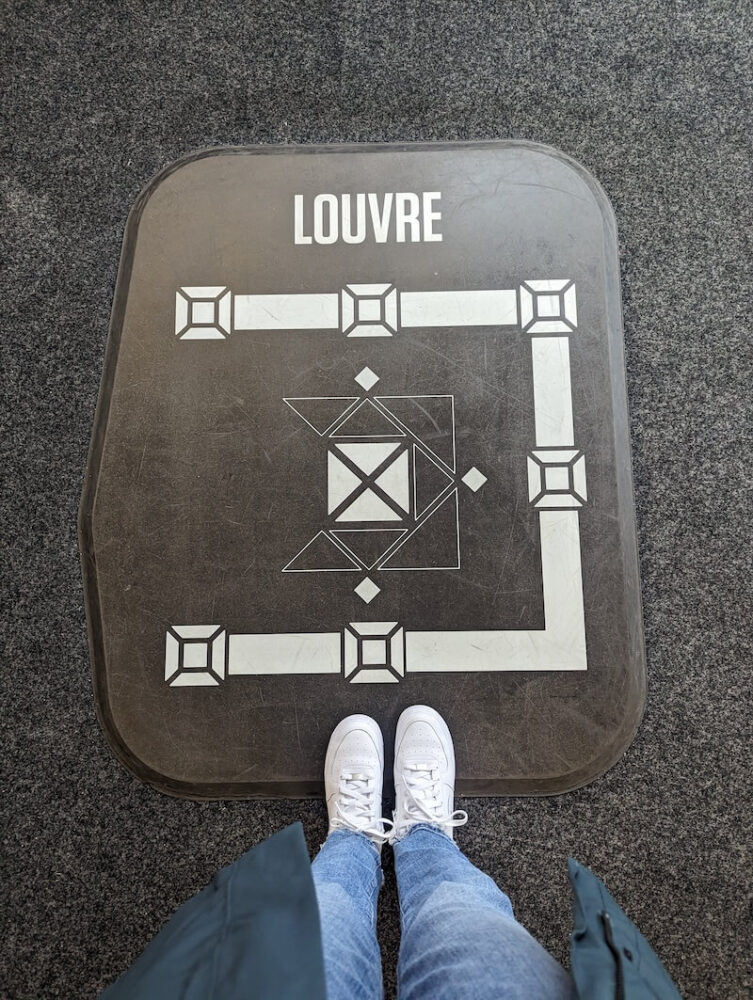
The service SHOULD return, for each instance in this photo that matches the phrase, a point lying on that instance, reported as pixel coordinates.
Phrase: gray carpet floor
(655, 99)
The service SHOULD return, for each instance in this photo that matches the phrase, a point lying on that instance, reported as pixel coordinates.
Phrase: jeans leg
(347, 875)
(459, 935)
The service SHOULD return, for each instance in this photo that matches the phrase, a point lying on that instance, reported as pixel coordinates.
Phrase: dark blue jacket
(609, 957)
(254, 934)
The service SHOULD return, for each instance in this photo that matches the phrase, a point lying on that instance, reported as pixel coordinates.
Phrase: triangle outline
(348, 400)
(353, 567)
(384, 401)
(366, 403)
(368, 531)
(422, 450)
(395, 569)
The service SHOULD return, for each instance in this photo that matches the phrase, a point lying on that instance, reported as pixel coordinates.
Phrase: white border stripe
(477, 308)
(292, 653)
(552, 394)
(287, 312)
(561, 645)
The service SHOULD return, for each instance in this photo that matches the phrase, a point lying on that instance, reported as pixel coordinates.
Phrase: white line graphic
(293, 653)
(561, 645)
(552, 393)
(286, 312)
(439, 309)
(545, 308)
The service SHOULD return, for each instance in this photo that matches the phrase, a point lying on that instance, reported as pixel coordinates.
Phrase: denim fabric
(459, 936)
(347, 878)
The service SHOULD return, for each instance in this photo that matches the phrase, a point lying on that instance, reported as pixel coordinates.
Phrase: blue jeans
(459, 936)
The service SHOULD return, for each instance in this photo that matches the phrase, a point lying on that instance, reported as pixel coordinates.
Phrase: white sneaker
(353, 772)
(424, 773)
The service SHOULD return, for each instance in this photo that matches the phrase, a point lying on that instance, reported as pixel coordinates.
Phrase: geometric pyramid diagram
(434, 544)
(322, 412)
(430, 418)
(321, 555)
(369, 544)
(429, 481)
(367, 421)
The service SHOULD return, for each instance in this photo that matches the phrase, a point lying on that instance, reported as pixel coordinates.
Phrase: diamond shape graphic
(367, 379)
(474, 479)
(367, 590)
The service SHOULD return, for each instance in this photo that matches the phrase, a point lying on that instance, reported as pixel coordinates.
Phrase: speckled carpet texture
(655, 99)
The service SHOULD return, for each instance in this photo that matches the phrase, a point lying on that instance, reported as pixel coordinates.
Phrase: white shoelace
(355, 808)
(425, 805)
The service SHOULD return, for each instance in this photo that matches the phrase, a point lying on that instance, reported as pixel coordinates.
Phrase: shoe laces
(354, 808)
(425, 803)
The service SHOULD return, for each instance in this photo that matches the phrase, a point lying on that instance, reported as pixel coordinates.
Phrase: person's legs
(347, 877)
(460, 938)
(347, 871)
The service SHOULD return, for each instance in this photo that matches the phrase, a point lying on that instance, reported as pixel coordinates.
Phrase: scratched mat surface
(362, 442)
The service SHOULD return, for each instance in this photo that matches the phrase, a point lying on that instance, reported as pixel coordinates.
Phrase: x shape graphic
(368, 480)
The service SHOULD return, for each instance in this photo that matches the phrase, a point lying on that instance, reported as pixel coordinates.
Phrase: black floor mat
(361, 443)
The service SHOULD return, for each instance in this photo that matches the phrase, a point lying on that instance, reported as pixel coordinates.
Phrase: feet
(424, 773)
(353, 779)
(424, 776)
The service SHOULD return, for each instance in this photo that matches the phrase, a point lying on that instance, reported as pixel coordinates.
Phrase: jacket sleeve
(252, 934)
(609, 957)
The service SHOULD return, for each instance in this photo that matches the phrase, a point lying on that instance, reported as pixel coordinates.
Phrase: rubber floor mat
(362, 442)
